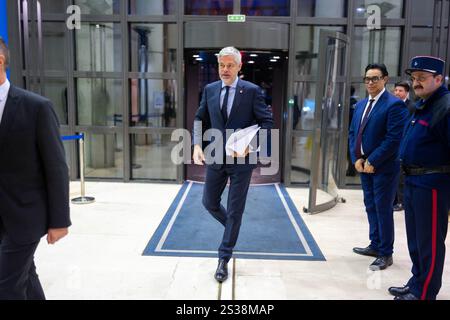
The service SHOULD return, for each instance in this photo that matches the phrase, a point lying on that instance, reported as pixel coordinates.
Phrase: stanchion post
(83, 199)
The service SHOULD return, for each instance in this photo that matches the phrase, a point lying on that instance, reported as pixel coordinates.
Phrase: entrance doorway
(268, 69)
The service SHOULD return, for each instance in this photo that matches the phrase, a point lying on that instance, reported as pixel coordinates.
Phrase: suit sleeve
(351, 137)
(201, 120)
(56, 172)
(396, 121)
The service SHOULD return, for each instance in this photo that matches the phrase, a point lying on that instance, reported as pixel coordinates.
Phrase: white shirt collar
(4, 88)
(378, 95)
(233, 85)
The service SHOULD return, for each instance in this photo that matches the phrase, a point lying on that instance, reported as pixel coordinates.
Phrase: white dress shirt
(377, 97)
(4, 89)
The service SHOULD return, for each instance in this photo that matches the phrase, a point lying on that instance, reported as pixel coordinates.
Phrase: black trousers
(18, 277)
(230, 218)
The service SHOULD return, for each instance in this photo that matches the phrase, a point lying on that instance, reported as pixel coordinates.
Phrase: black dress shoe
(381, 263)
(398, 291)
(408, 296)
(222, 271)
(398, 207)
(368, 251)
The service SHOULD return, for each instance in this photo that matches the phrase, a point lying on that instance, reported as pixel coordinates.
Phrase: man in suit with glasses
(374, 140)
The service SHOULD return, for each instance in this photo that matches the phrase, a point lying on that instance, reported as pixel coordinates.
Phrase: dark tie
(361, 129)
(224, 105)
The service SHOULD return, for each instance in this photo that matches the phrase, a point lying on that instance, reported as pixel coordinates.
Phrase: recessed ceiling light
(253, 55)
(273, 60)
(199, 59)
(195, 56)
(276, 57)
(251, 62)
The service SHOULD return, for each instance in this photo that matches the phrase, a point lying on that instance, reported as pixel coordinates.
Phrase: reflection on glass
(56, 91)
(153, 103)
(104, 155)
(99, 6)
(153, 7)
(301, 158)
(213, 7)
(306, 58)
(151, 157)
(371, 46)
(265, 7)
(53, 6)
(153, 47)
(99, 102)
(322, 8)
(304, 105)
(54, 44)
(390, 9)
(99, 47)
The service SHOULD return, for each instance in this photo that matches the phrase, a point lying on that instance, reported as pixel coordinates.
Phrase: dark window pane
(99, 6)
(391, 9)
(422, 12)
(265, 7)
(151, 157)
(54, 44)
(56, 91)
(307, 48)
(153, 7)
(322, 8)
(153, 103)
(153, 47)
(99, 102)
(103, 155)
(213, 7)
(99, 47)
(53, 6)
(371, 46)
(420, 42)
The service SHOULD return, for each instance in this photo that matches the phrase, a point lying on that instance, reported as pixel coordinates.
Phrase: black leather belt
(417, 171)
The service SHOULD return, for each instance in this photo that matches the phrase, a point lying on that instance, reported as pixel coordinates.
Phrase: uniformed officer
(425, 156)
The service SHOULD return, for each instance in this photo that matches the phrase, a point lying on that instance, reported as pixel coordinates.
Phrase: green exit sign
(236, 18)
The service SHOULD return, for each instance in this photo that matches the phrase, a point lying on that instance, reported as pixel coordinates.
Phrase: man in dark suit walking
(374, 139)
(230, 103)
(34, 185)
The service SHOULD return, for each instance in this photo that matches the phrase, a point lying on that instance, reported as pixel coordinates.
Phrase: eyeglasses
(373, 79)
(421, 78)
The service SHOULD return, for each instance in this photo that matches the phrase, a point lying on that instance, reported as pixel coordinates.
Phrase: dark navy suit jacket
(34, 181)
(248, 109)
(382, 133)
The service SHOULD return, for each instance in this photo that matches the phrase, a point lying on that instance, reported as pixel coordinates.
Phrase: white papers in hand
(240, 140)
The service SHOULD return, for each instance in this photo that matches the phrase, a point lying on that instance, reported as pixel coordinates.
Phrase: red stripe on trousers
(433, 244)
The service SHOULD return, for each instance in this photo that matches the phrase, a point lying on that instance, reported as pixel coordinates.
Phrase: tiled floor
(101, 257)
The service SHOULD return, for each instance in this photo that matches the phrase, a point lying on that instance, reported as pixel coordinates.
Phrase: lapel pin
(241, 91)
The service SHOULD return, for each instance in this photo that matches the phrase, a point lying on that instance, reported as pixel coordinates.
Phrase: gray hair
(230, 51)
(4, 51)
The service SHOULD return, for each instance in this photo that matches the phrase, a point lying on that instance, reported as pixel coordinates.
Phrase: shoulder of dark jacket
(441, 109)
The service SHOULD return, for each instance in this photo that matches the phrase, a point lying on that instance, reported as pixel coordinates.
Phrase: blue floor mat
(271, 227)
